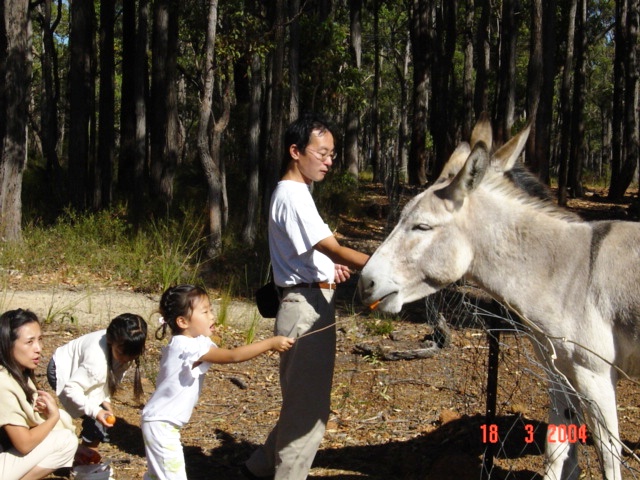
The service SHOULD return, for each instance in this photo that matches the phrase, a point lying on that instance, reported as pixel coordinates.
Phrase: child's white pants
(165, 457)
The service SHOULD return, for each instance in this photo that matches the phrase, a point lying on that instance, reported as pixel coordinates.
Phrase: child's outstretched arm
(247, 352)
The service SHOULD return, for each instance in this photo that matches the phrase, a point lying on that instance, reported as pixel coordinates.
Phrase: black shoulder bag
(267, 298)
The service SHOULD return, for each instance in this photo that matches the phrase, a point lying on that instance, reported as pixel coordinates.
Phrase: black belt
(323, 285)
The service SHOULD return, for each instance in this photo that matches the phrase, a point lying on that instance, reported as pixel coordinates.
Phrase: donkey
(576, 284)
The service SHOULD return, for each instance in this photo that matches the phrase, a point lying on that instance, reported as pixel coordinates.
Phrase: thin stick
(319, 330)
(337, 322)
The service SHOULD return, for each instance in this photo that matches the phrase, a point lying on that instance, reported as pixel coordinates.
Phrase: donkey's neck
(536, 262)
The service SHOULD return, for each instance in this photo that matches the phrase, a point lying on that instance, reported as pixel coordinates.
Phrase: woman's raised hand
(46, 405)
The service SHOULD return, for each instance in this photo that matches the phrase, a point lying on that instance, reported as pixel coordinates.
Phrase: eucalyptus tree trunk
(578, 150)
(140, 95)
(442, 126)
(625, 99)
(106, 104)
(534, 77)
(81, 101)
(483, 51)
(210, 137)
(274, 155)
(132, 178)
(622, 165)
(253, 154)
(618, 100)
(355, 32)
(403, 124)
(3, 64)
(15, 79)
(605, 140)
(539, 157)
(420, 37)
(565, 105)
(164, 101)
(265, 164)
(375, 123)
(505, 105)
(467, 75)
(50, 95)
(209, 164)
(352, 117)
(534, 69)
(294, 59)
(632, 110)
(127, 104)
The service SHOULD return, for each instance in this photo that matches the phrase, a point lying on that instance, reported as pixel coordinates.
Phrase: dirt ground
(420, 418)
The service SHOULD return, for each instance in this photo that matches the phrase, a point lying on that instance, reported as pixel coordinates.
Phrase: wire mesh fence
(512, 433)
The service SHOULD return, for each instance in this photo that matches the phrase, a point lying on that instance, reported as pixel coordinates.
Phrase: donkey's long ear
(455, 163)
(468, 178)
(507, 154)
(482, 132)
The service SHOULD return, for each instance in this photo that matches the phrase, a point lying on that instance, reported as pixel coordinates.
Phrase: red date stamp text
(555, 433)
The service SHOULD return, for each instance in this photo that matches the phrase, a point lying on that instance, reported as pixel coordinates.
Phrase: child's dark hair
(10, 322)
(129, 333)
(177, 302)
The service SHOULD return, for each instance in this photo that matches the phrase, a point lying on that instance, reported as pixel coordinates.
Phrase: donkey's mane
(519, 183)
(527, 181)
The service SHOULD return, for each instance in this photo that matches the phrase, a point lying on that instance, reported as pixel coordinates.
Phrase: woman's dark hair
(177, 302)
(10, 322)
(299, 133)
(129, 333)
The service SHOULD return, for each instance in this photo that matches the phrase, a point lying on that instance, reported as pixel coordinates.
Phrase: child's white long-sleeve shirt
(81, 374)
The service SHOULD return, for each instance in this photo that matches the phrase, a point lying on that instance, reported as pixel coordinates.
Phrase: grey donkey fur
(575, 283)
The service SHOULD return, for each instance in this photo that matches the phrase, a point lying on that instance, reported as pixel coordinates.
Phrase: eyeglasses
(322, 156)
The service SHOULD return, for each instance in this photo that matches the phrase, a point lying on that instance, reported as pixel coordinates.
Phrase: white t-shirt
(295, 226)
(81, 374)
(179, 382)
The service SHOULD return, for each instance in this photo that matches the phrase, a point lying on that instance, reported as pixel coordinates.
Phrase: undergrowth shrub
(81, 247)
(336, 195)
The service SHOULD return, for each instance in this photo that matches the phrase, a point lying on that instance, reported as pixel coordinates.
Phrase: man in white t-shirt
(307, 263)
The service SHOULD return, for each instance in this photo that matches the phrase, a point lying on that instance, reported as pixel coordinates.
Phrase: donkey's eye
(423, 227)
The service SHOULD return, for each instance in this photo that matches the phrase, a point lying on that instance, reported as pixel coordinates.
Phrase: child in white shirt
(86, 371)
(186, 310)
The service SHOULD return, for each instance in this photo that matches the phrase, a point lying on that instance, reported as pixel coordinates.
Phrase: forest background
(158, 124)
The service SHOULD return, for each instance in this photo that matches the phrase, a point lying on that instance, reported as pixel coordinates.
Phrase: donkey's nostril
(364, 287)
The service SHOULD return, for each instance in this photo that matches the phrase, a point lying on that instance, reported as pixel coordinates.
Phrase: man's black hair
(299, 133)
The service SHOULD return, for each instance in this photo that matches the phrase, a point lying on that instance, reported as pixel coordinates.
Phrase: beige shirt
(15, 409)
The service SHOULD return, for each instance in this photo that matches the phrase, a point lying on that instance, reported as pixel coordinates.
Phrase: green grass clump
(178, 247)
(104, 247)
(250, 333)
(225, 302)
(380, 327)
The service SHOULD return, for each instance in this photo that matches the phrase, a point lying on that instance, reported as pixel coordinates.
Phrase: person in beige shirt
(36, 437)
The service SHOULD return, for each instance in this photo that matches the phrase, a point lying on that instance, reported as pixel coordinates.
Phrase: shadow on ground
(454, 451)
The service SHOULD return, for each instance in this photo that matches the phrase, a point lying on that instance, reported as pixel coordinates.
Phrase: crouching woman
(36, 438)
